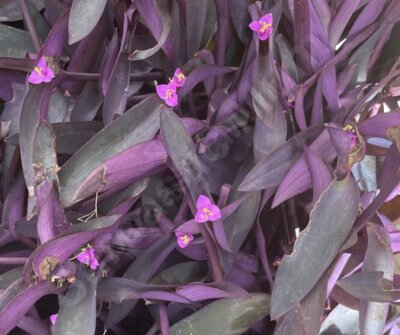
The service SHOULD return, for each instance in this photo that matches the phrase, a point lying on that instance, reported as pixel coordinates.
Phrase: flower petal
(35, 78)
(53, 318)
(267, 18)
(203, 202)
(216, 213)
(83, 257)
(94, 263)
(162, 90)
(173, 101)
(265, 35)
(255, 26)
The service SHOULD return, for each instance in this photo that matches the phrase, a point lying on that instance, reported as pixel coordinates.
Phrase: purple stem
(13, 260)
(260, 239)
(30, 25)
(222, 31)
(182, 23)
(164, 324)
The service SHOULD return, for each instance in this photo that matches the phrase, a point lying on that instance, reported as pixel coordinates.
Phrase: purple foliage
(199, 167)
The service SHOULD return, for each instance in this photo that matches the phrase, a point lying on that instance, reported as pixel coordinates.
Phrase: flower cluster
(167, 92)
(206, 211)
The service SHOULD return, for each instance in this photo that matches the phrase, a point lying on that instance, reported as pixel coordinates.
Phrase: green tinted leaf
(224, 317)
(138, 124)
(83, 18)
(77, 313)
(316, 247)
(11, 11)
(378, 257)
(14, 42)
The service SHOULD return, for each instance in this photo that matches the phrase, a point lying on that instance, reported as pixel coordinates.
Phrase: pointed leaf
(378, 257)
(181, 150)
(325, 234)
(138, 124)
(224, 317)
(83, 18)
(272, 169)
(77, 313)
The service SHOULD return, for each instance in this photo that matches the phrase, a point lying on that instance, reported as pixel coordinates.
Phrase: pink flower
(87, 257)
(183, 239)
(206, 210)
(263, 26)
(179, 78)
(168, 93)
(41, 73)
(53, 318)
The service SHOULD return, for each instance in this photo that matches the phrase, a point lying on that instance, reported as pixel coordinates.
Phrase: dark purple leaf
(138, 124)
(88, 103)
(271, 170)
(117, 92)
(19, 305)
(44, 260)
(201, 74)
(142, 269)
(159, 22)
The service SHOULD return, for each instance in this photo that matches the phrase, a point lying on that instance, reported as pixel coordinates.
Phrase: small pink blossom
(87, 257)
(263, 26)
(53, 319)
(179, 78)
(41, 73)
(206, 210)
(183, 239)
(168, 93)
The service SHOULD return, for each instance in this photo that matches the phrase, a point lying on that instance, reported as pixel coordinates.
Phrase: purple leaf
(53, 46)
(117, 92)
(320, 173)
(138, 124)
(141, 270)
(201, 74)
(271, 170)
(378, 125)
(44, 259)
(159, 22)
(19, 305)
(340, 20)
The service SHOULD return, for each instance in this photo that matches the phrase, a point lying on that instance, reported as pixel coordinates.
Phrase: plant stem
(30, 25)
